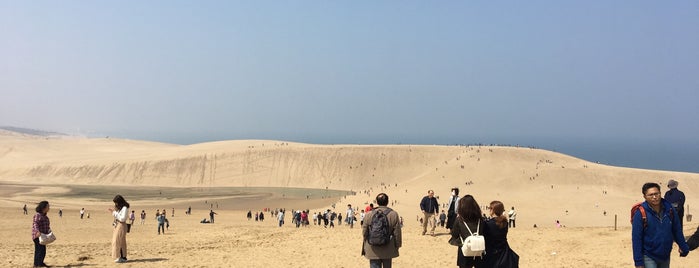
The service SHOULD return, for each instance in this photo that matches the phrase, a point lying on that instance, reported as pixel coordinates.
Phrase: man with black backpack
(382, 234)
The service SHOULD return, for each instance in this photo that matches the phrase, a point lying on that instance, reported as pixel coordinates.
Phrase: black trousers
(39, 253)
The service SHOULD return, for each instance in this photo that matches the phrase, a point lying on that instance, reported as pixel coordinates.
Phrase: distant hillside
(545, 186)
(34, 132)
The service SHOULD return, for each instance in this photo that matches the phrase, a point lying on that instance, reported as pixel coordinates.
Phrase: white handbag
(46, 239)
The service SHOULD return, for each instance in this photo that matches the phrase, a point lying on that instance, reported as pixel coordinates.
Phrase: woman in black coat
(497, 251)
(469, 218)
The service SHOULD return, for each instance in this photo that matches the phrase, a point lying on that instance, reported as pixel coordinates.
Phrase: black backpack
(379, 233)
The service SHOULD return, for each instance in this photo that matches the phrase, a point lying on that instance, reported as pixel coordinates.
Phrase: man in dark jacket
(676, 198)
(430, 208)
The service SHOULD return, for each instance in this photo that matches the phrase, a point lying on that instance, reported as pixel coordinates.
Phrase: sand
(542, 185)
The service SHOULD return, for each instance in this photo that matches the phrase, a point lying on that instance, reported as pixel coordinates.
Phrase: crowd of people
(656, 225)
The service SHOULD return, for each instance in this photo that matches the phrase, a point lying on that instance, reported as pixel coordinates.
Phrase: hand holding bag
(45, 239)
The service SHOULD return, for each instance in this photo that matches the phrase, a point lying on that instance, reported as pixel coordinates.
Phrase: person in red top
(369, 208)
(40, 224)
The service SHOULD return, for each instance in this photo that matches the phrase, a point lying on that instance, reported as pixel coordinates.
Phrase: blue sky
(354, 72)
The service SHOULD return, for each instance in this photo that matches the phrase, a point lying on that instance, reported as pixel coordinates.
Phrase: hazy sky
(353, 71)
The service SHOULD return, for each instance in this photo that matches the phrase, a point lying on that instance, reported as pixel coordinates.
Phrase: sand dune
(544, 186)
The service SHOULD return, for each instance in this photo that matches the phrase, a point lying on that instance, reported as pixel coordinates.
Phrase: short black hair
(456, 190)
(41, 206)
(382, 199)
(649, 185)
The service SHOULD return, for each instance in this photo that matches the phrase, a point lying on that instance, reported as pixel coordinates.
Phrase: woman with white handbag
(41, 228)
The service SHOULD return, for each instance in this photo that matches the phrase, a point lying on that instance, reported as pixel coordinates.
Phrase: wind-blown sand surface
(542, 185)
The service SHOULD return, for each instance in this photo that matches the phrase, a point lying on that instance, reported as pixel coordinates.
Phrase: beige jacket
(389, 250)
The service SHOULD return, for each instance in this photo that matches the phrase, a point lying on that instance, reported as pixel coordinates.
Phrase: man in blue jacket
(652, 237)
(430, 208)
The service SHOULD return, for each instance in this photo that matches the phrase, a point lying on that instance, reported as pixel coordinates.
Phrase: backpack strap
(469, 230)
(643, 216)
(477, 228)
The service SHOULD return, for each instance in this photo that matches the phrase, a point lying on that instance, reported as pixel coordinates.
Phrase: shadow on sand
(129, 261)
(146, 260)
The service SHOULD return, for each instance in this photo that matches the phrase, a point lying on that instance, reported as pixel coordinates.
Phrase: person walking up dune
(430, 208)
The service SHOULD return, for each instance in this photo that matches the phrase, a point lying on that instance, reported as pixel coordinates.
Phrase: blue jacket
(655, 240)
(429, 205)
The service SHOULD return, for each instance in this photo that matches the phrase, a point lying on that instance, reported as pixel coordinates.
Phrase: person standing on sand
(382, 256)
(442, 219)
(25, 209)
(40, 225)
(498, 251)
(512, 215)
(120, 213)
(350, 216)
(280, 218)
(430, 208)
(143, 217)
(132, 217)
(469, 220)
(676, 199)
(161, 222)
(167, 222)
(453, 207)
(652, 238)
(82, 213)
(212, 213)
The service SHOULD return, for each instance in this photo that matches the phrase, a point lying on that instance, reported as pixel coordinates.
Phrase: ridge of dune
(533, 179)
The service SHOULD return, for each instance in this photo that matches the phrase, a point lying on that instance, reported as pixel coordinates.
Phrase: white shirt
(121, 215)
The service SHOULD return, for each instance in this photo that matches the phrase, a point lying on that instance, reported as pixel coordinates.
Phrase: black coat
(497, 251)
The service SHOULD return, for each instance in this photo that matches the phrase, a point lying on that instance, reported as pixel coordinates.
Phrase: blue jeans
(650, 263)
(39, 253)
(161, 226)
(379, 263)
